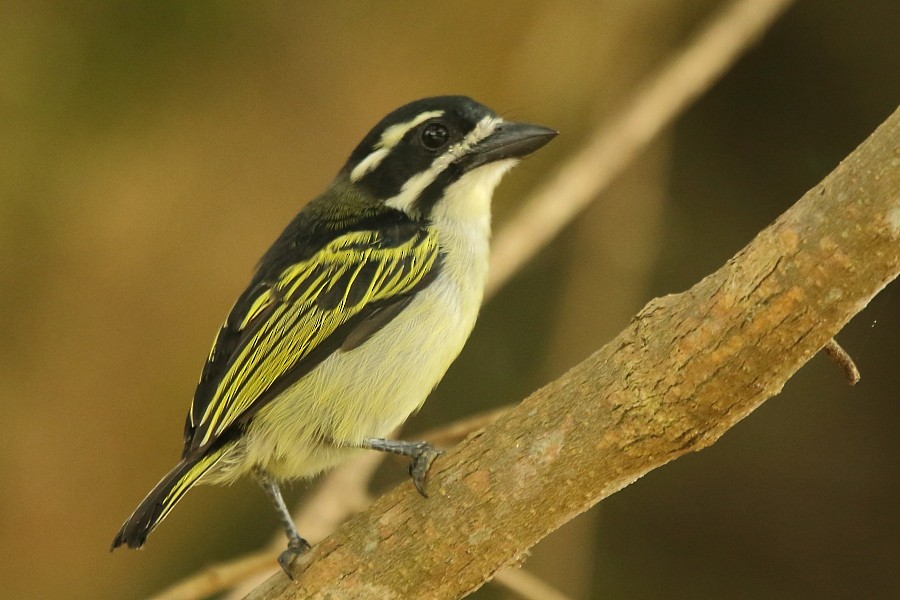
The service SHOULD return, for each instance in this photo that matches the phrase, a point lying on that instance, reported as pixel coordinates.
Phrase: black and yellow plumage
(354, 313)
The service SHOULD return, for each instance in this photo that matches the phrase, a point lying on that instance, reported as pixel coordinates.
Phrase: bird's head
(440, 155)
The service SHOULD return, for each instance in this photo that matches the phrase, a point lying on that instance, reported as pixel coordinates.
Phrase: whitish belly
(366, 392)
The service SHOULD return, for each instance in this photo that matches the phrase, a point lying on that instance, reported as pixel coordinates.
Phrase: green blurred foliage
(150, 151)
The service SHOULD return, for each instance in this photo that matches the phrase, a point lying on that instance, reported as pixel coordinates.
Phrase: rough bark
(687, 368)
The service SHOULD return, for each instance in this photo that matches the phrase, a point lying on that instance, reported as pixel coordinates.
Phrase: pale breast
(368, 391)
(372, 389)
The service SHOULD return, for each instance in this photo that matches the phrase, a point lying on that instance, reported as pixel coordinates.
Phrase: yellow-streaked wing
(285, 328)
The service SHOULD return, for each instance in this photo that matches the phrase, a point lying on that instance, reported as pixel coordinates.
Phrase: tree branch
(686, 369)
(723, 39)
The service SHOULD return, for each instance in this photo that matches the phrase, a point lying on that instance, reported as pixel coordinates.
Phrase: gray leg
(296, 544)
(421, 453)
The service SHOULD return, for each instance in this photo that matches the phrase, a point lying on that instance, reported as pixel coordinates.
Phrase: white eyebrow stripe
(393, 134)
(390, 137)
(417, 183)
(368, 164)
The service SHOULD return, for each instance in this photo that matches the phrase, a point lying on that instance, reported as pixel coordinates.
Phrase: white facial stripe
(482, 129)
(412, 188)
(368, 163)
(390, 137)
(393, 134)
(416, 184)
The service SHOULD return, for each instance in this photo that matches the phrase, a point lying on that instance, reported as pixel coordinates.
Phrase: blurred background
(149, 152)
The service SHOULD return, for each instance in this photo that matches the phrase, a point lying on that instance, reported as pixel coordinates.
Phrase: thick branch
(686, 369)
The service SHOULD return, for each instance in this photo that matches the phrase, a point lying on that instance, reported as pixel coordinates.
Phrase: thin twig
(667, 93)
(453, 433)
(339, 495)
(527, 585)
(216, 578)
(843, 360)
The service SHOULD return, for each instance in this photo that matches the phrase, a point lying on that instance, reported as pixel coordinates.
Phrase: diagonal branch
(726, 36)
(686, 369)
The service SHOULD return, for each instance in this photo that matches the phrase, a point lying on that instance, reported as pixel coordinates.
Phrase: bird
(354, 313)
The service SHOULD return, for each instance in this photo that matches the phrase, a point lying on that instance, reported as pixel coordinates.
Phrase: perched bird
(355, 312)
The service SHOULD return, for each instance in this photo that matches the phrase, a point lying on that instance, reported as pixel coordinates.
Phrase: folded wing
(281, 329)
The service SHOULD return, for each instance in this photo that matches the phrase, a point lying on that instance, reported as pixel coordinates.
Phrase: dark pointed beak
(509, 140)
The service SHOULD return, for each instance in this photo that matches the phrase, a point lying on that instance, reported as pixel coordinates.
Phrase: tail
(162, 499)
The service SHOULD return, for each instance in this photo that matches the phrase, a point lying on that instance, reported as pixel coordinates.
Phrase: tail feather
(162, 498)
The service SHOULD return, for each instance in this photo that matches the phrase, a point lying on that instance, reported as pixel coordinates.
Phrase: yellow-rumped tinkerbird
(355, 312)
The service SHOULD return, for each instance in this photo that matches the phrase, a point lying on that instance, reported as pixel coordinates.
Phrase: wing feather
(281, 330)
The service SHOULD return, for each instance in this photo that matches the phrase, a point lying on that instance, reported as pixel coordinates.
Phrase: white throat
(462, 219)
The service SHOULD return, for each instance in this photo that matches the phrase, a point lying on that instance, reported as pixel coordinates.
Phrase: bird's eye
(435, 136)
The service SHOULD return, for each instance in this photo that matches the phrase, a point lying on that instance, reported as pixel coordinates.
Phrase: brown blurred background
(149, 152)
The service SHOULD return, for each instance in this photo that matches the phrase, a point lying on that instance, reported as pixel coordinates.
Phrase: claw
(422, 455)
(286, 559)
(421, 463)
